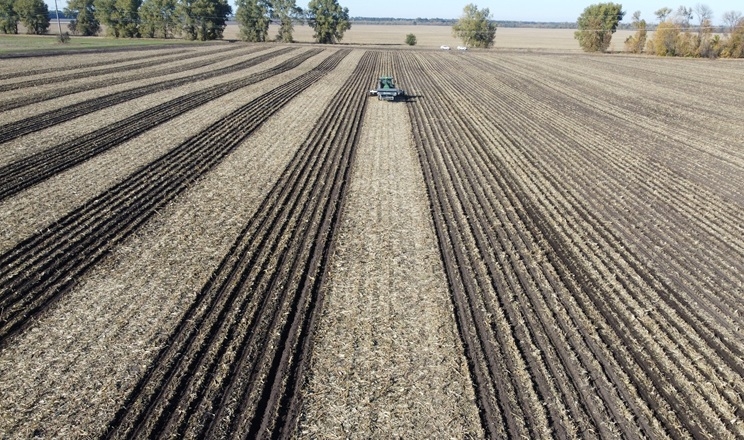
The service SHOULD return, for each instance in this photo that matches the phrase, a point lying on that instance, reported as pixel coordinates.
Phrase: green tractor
(386, 90)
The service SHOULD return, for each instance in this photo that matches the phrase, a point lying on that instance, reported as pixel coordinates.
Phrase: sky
(525, 10)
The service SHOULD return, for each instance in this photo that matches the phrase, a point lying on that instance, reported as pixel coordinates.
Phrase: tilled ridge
(387, 360)
(678, 345)
(140, 71)
(22, 174)
(567, 332)
(493, 392)
(44, 266)
(233, 367)
(118, 69)
(91, 65)
(53, 117)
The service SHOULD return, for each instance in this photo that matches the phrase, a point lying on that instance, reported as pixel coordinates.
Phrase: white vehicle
(443, 47)
(462, 48)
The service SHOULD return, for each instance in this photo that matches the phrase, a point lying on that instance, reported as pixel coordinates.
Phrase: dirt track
(566, 236)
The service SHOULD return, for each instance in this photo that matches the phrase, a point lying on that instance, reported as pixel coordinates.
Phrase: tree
(253, 19)
(411, 40)
(663, 13)
(475, 27)
(703, 13)
(8, 17)
(705, 47)
(287, 12)
(636, 42)
(121, 17)
(730, 19)
(665, 39)
(734, 44)
(84, 21)
(597, 24)
(329, 20)
(683, 17)
(34, 14)
(158, 19)
(203, 19)
(107, 14)
(129, 17)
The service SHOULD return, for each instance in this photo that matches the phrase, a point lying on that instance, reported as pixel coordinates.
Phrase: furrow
(241, 334)
(504, 406)
(673, 398)
(22, 174)
(50, 118)
(86, 235)
(142, 74)
(139, 72)
(94, 64)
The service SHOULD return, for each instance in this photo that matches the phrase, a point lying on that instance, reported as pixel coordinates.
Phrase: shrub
(636, 42)
(411, 40)
(63, 38)
(665, 39)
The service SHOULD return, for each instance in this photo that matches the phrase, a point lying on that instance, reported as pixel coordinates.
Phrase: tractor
(386, 90)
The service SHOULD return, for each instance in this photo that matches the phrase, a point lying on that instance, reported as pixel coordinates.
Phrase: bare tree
(683, 17)
(731, 19)
(635, 43)
(704, 14)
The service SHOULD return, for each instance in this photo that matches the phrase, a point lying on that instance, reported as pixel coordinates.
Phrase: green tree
(158, 19)
(203, 19)
(663, 13)
(8, 17)
(597, 24)
(129, 17)
(287, 12)
(121, 17)
(636, 42)
(411, 40)
(329, 20)
(253, 19)
(84, 20)
(107, 14)
(34, 14)
(475, 27)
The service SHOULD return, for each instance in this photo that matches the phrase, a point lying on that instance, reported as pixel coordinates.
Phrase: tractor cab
(386, 90)
(386, 82)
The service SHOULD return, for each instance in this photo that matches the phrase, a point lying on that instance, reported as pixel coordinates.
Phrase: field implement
(386, 90)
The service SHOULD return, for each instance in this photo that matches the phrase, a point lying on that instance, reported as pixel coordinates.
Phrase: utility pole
(56, 9)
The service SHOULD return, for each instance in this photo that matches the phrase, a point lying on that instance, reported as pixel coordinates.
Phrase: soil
(387, 362)
(534, 244)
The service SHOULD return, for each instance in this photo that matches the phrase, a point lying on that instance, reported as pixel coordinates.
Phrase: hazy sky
(527, 10)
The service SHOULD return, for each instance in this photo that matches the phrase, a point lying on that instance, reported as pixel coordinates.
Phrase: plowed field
(235, 241)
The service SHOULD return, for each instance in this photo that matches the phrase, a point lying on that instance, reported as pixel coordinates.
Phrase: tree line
(34, 14)
(189, 19)
(686, 31)
(328, 19)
